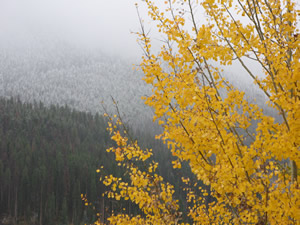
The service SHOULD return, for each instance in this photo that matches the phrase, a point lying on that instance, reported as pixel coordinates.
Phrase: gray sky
(104, 24)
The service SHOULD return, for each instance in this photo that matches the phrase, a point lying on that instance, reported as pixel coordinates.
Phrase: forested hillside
(61, 74)
(49, 154)
(49, 157)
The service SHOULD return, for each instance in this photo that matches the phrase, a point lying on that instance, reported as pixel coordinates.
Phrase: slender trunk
(72, 219)
(294, 171)
(8, 201)
(1, 193)
(103, 211)
(129, 208)
(16, 207)
(41, 207)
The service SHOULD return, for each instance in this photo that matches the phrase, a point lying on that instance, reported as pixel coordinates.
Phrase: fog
(102, 24)
(88, 24)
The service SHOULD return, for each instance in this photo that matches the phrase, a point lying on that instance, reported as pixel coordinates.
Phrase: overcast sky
(99, 24)
(104, 24)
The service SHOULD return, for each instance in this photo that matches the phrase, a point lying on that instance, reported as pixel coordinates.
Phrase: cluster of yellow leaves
(144, 188)
(212, 131)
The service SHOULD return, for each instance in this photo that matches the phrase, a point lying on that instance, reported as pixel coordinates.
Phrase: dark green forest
(49, 157)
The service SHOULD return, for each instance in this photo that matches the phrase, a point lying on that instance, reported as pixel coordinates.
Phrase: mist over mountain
(85, 78)
(80, 54)
(63, 74)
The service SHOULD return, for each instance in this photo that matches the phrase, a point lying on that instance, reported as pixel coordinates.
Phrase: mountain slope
(61, 74)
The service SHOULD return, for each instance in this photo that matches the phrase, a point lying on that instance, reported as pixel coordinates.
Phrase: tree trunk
(103, 210)
(8, 201)
(16, 207)
(294, 171)
(41, 208)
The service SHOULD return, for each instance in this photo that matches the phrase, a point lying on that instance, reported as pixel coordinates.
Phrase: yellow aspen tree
(207, 121)
(146, 189)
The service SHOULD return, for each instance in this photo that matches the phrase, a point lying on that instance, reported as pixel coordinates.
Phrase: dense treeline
(49, 157)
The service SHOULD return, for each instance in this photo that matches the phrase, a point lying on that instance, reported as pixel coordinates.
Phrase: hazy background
(94, 24)
(88, 24)
(79, 52)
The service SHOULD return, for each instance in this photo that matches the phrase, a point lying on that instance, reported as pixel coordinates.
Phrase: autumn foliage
(230, 144)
